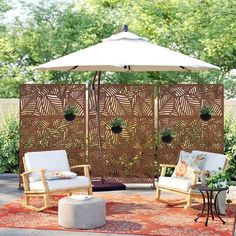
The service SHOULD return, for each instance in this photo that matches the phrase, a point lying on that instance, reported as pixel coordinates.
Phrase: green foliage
(117, 122)
(9, 144)
(70, 110)
(202, 29)
(230, 145)
(215, 179)
(169, 171)
(168, 132)
(206, 110)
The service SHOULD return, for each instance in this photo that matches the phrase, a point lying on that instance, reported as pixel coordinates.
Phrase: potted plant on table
(206, 112)
(70, 113)
(167, 135)
(117, 125)
(219, 179)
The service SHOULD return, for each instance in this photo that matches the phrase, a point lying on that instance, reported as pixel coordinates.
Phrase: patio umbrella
(124, 52)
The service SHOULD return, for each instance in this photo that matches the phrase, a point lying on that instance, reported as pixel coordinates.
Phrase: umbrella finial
(125, 28)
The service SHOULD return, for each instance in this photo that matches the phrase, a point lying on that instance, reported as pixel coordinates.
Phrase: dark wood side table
(210, 201)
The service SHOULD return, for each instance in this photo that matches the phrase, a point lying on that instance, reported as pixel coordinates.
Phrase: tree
(202, 29)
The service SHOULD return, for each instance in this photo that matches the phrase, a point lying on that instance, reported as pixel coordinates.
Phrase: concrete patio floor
(9, 192)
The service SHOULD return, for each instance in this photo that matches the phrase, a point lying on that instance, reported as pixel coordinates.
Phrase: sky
(18, 11)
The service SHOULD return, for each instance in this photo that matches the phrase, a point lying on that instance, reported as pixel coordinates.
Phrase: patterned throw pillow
(53, 175)
(187, 162)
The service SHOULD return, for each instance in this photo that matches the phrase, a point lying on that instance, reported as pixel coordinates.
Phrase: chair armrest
(163, 168)
(25, 177)
(77, 166)
(86, 169)
(167, 165)
(205, 172)
(31, 171)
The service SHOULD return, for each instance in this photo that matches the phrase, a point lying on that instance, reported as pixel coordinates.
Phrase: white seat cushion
(212, 160)
(50, 160)
(176, 183)
(78, 181)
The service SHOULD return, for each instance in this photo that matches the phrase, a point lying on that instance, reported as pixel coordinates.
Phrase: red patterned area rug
(126, 214)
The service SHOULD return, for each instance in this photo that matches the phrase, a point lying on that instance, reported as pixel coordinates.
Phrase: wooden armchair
(37, 164)
(183, 186)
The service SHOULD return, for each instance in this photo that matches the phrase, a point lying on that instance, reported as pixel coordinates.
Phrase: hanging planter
(116, 130)
(117, 125)
(167, 139)
(206, 113)
(167, 135)
(70, 113)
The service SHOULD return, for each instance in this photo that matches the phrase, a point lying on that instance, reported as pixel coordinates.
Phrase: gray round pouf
(86, 214)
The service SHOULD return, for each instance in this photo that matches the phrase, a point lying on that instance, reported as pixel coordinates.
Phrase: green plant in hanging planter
(70, 113)
(206, 112)
(167, 135)
(117, 125)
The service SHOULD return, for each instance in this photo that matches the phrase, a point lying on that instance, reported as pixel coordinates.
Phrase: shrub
(230, 145)
(9, 144)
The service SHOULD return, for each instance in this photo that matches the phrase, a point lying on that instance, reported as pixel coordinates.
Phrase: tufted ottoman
(81, 212)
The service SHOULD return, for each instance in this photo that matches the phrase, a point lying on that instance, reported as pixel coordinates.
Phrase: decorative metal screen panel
(179, 108)
(128, 156)
(42, 123)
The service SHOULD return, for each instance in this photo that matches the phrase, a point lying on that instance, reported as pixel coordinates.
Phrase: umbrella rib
(73, 68)
(184, 68)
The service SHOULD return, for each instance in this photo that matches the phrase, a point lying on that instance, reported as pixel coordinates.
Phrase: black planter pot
(69, 117)
(167, 139)
(205, 117)
(116, 129)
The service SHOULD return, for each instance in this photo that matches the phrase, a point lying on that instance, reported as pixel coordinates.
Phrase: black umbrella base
(107, 186)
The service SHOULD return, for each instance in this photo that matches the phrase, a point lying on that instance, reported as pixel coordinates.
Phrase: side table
(210, 201)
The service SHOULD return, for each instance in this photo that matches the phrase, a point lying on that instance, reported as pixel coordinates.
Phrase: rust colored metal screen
(179, 108)
(42, 122)
(129, 155)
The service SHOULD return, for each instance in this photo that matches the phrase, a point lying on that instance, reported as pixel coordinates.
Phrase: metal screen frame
(42, 123)
(128, 156)
(178, 108)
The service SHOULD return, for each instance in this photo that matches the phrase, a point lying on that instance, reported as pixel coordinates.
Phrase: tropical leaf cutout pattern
(128, 156)
(178, 108)
(42, 123)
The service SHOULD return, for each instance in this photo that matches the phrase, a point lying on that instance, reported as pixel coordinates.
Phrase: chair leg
(90, 190)
(158, 193)
(46, 200)
(33, 208)
(26, 200)
(189, 202)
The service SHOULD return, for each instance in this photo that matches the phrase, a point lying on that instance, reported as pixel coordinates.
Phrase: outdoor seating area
(51, 165)
(117, 130)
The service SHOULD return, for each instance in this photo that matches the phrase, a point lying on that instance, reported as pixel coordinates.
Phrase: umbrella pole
(97, 102)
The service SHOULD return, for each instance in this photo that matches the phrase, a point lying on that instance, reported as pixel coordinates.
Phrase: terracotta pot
(205, 117)
(167, 139)
(69, 117)
(116, 129)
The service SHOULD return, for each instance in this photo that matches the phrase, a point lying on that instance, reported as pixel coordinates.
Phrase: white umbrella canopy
(124, 52)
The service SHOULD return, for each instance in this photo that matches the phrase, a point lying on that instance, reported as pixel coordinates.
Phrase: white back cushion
(50, 160)
(213, 160)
